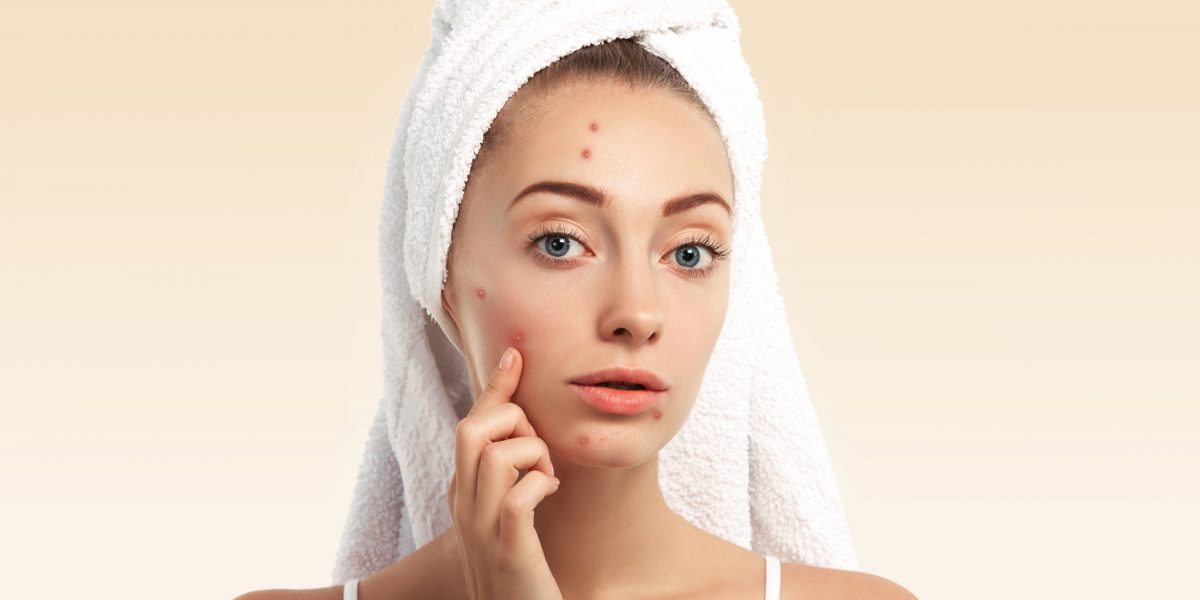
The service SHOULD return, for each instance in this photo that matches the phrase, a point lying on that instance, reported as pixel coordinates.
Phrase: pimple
(657, 414)
(587, 153)
(594, 127)
(479, 291)
(515, 341)
(583, 440)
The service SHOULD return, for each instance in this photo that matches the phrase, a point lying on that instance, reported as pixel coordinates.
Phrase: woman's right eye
(559, 246)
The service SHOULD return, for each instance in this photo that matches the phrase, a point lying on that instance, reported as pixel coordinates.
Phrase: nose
(633, 310)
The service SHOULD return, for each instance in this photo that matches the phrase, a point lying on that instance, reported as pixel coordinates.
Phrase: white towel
(750, 464)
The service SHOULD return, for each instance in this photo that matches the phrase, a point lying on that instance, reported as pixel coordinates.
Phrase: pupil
(690, 252)
(561, 245)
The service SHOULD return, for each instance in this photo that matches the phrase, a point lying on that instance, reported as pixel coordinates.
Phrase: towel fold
(750, 464)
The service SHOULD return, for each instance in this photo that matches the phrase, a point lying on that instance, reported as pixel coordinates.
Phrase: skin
(627, 299)
(624, 298)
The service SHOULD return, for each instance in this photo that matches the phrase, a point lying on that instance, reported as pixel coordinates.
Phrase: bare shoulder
(798, 580)
(432, 571)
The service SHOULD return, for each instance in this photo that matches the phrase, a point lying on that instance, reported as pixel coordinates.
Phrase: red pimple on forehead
(587, 153)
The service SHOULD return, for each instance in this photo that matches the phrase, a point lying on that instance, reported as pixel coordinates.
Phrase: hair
(617, 61)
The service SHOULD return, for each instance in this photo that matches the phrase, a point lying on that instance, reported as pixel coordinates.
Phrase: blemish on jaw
(657, 414)
(587, 153)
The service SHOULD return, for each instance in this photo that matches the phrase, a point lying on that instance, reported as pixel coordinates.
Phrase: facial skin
(625, 294)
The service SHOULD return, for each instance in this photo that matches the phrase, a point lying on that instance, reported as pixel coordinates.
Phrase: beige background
(984, 217)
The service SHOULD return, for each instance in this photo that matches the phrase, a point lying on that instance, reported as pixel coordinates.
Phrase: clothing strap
(350, 590)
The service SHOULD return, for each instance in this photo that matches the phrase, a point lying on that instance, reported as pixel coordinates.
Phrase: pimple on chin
(587, 153)
(657, 414)
(479, 291)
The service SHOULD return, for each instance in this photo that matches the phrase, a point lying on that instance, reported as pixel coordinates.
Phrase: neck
(607, 532)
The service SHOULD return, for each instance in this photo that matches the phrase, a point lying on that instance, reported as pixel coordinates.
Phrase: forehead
(638, 144)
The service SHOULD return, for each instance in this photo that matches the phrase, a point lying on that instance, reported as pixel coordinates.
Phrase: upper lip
(623, 375)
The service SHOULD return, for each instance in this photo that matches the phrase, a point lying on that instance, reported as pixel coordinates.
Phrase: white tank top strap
(350, 590)
(772, 578)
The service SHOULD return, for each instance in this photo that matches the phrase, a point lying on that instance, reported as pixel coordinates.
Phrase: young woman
(592, 240)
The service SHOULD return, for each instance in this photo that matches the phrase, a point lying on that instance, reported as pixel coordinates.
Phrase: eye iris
(554, 247)
(692, 254)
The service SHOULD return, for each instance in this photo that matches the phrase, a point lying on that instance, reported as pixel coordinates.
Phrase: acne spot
(587, 153)
(583, 440)
(657, 414)
(594, 126)
(479, 291)
(516, 341)
(603, 437)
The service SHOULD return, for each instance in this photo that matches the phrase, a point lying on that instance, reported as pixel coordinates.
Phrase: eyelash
(719, 252)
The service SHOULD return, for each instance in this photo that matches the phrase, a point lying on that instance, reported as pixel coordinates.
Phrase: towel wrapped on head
(750, 464)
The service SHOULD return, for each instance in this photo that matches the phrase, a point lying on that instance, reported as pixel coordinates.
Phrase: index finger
(502, 383)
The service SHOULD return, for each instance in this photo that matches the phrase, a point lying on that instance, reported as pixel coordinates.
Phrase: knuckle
(512, 411)
(469, 428)
(491, 454)
(493, 383)
(512, 506)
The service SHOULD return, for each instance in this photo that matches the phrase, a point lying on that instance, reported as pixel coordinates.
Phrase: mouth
(617, 398)
(621, 385)
(623, 378)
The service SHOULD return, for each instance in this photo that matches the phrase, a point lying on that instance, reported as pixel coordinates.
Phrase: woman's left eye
(688, 255)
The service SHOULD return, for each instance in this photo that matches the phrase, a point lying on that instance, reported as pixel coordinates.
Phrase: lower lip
(617, 401)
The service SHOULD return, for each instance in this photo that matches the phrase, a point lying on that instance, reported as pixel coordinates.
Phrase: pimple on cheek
(587, 153)
(516, 339)
(594, 126)
(480, 292)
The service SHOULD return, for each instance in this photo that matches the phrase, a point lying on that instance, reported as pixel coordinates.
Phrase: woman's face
(578, 287)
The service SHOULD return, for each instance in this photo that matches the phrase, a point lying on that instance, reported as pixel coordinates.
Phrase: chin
(602, 441)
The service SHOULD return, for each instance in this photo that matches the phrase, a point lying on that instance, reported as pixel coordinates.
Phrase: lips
(623, 378)
(617, 401)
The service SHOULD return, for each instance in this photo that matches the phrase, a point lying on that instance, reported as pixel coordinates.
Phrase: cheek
(504, 320)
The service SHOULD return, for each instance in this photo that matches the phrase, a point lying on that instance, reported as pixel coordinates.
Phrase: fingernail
(506, 361)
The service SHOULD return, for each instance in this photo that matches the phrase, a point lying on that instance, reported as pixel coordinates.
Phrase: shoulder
(426, 573)
(798, 580)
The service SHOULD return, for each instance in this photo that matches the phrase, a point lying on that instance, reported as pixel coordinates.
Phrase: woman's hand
(493, 518)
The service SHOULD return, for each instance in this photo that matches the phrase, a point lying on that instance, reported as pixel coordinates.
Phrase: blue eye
(687, 255)
(554, 249)
(557, 243)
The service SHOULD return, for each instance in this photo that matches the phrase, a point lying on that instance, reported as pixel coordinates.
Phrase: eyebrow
(597, 198)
